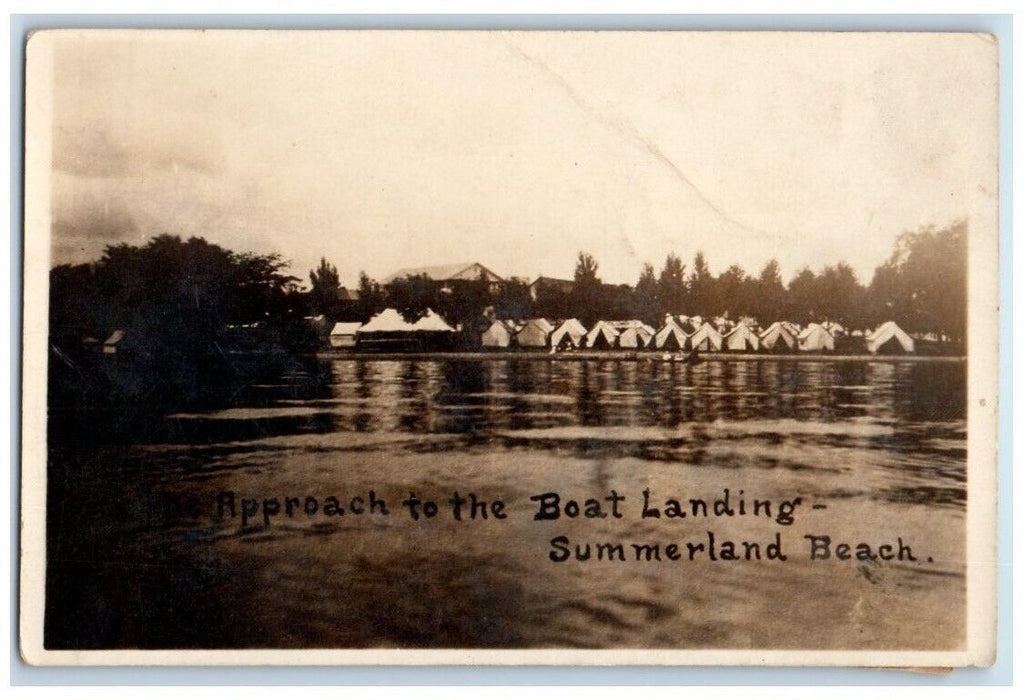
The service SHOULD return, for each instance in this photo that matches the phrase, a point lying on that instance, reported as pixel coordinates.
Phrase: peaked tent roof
(432, 322)
(740, 337)
(601, 329)
(811, 329)
(387, 321)
(885, 332)
(534, 333)
(342, 328)
(636, 336)
(570, 327)
(779, 328)
(668, 330)
(706, 332)
(542, 323)
(498, 334)
(816, 337)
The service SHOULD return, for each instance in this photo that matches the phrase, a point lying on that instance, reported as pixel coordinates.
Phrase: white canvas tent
(777, 337)
(636, 335)
(742, 338)
(570, 332)
(888, 336)
(602, 335)
(433, 323)
(499, 335)
(535, 333)
(387, 321)
(815, 338)
(342, 335)
(670, 336)
(705, 339)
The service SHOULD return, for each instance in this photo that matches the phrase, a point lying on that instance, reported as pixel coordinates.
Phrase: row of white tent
(677, 333)
(387, 322)
(781, 335)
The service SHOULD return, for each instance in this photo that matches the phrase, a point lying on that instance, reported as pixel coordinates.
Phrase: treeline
(177, 298)
(196, 319)
(921, 286)
(180, 306)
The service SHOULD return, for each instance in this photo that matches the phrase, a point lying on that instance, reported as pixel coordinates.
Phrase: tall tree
(922, 286)
(513, 301)
(412, 296)
(732, 294)
(671, 286)
(179, 303)
(769, 299)
(804, 302)
(587, 294)
(371, 297)
(701, 286)
(841, 295)
(646, 305)
(325, 285)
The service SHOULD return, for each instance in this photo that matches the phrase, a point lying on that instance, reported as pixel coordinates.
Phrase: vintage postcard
(422, 347)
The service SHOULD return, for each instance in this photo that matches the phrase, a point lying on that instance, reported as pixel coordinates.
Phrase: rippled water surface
(143, 551)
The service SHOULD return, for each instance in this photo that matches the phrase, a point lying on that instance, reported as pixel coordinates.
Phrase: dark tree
(804, 302)
(733, 294)
(513, 301)
(176, 301)
(841, 295)
(412, 296)
(646, 306)
(671, 286)
(922, 286)
(769, 298)
(552, 303)
(371, 297)
(701, 286)
(325, 285)
(588, 293)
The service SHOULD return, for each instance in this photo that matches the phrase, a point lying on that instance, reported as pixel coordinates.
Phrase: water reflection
(467, 396)
(585, 406)
(884, 438)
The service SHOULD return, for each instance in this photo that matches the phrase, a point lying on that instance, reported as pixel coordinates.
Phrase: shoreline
(625, 356)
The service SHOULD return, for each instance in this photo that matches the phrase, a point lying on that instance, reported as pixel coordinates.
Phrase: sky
(386, 150)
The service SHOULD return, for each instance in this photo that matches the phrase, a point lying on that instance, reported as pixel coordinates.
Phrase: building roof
(441, 273)
(552, 280)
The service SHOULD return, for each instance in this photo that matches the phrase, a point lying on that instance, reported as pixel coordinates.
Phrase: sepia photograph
(507, 347)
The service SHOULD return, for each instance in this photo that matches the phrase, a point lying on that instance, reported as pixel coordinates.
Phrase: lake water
(143, 550)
